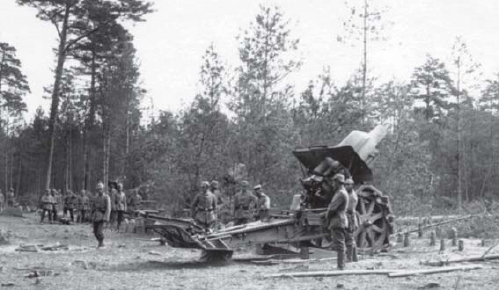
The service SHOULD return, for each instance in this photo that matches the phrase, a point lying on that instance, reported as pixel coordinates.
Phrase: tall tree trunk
(54, 108)
(459, 144)
(364, 62)
(87, 149)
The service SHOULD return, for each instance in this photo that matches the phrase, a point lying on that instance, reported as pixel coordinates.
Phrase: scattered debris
(8, 284)
(431, 285)
(27, 248)
(80, 264)
(396, 274)
(154, 253)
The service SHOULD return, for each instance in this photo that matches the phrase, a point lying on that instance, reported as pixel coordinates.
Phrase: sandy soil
(130, 262)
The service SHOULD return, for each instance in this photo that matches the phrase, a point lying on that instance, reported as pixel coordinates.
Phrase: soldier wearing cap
(46, 204)
(10, 197)
(134, 202)
(244, 203)
(262, 203)
(336, 215)
(204, 206)
(353, 223)
(120, 205)
(70, 202)
(100, 213)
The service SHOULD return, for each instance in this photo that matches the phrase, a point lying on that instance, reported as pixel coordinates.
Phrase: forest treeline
(246, 118)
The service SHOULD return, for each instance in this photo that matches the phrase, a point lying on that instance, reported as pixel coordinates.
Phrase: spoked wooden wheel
(372, 212)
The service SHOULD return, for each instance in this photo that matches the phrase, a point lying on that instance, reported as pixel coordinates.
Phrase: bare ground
(130, 262)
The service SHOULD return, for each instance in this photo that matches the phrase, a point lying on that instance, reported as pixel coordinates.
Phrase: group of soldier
(342, 220)
(8, 200)
(100, 208)
(211, 208)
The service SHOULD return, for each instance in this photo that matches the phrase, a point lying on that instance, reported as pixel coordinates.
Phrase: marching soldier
(262, 203)
(353, 223)
(204, 206)
(120, 205)
(336, 215)
(47, 204)
(244, 202)
(100, 213)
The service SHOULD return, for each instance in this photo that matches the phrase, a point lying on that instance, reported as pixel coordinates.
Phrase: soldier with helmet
(203, 207)
(244, 203)
(336, 215)
(353, 223)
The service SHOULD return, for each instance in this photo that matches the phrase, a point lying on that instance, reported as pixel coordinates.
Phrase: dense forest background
(247, 117)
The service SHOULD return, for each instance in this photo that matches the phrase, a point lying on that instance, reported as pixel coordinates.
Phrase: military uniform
(120, 207)
(113, 196)
(338, 222)
(353, 225)
(85, 207)
(10, 198)
(244, 203)
(134, 202)
(100, 213)
(203, 208)
(46, 205)
(70, 203)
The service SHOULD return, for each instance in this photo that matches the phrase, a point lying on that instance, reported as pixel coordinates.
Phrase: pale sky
(172, 41)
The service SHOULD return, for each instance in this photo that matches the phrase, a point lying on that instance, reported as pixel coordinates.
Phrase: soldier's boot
(341, 260)
(349, 253)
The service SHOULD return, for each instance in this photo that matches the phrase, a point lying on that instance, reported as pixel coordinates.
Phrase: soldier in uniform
(244, 203)
(85, 206)
(120, 205)
(10, 197)
(134, 201)
(353, 223)
(336, 215)
(204, 206)
(70, 202)
(262, 203)
(46, 205)
(55, 204)
(100, 213)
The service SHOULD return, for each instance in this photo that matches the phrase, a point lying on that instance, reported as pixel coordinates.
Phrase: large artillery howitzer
(303, 226)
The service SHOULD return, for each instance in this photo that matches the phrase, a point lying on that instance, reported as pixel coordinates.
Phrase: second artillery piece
(304, 225)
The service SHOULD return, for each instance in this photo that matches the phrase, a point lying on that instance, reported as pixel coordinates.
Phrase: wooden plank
(330, 273)
(469, 259)
(433, 271)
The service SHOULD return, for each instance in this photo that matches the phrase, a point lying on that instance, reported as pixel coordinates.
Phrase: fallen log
(330, 273)
(462, 260)
(433, 271)
(290, 261)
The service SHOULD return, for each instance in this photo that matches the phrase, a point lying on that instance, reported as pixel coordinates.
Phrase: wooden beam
(469, 259)
(433, 271)
(330, 273)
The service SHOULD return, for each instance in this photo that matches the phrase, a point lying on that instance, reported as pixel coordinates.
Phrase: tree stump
(438, 232)
(453, 236)
(460, 246)
(407, 239)
(442, 245)
(483, 243)
(400, 238)
(433, 239)
(420, 231)
(304, 253)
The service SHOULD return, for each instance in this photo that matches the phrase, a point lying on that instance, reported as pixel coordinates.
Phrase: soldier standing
(120, 205)
(244, 202)
(336, 215)
(10, 197)
(85, 206)
(69, 204)
(353, 223)
(204, 206)
(55, 204)
(262, 203)
(134, 201)
(100, 213)
(47, 205)
(113, 193)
